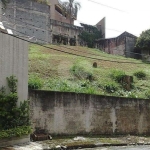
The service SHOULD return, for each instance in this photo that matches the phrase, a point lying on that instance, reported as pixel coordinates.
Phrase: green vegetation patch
(14, 120)
(117, 75)
(140, 74)
(15, 132)
(57, 71)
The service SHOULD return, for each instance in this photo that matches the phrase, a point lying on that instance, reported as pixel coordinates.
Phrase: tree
(143, 42)
(90, 37)
(71, 8)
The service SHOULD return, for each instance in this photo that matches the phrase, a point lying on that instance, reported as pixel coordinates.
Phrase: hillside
(54, 70)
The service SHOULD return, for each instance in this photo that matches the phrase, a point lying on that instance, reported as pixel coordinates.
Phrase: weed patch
(34, 82)
(140, 74)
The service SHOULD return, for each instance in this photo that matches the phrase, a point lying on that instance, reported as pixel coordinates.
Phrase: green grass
(63, 72)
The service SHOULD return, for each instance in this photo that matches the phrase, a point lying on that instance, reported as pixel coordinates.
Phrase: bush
(14, 120)
(147, 94)
(140, 74)
(117, 75)
(110, 87)
(143, 42)
(15, 132)
(34, 82)
(81, 72)
(59, 85)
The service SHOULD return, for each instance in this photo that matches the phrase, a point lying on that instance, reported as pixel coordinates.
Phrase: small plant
(110, 87)
(148, 94)
(82, 73)
(130, 94)
(140, 74)
(34, 82)
(117, 75)
(15, 132)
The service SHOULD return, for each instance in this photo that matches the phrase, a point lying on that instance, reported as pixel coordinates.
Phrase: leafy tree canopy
(90, 37)
(143, 42)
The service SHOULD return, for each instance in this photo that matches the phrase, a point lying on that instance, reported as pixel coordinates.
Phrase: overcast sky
(133, 17)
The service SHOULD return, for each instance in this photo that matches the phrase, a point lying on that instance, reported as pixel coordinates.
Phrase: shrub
(148, 94)
(15, 132)
(81, 72)
(14, 120)
(117, 75)
(110, 87)
(143, 42)
(90, 90)
(59, 85)
(140, 74)
(34, 82)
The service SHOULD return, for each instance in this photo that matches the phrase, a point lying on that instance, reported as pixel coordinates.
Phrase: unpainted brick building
(122, 45)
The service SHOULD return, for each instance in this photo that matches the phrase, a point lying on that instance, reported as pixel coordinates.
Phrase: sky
(133, 16)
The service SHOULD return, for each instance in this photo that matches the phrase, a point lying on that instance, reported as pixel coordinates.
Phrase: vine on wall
(14, 120)
(89, 35)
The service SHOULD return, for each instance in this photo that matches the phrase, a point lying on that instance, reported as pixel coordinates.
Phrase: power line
(103, 51)
(108, 6)
(73, 53)
(46, 25)
(67, 47)
(50, 30)
(71, 48)
(46, 30)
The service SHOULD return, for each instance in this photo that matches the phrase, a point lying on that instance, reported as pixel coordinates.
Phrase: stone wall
(28, 19)
(14, 61)
(122, 45)
(71, 113)
(130, 44)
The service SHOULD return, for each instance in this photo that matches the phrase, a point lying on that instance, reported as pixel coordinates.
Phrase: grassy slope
(52, 69)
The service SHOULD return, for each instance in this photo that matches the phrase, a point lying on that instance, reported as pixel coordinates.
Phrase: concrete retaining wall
(72, 113)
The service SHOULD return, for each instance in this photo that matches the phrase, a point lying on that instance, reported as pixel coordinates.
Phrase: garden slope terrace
(52, 67)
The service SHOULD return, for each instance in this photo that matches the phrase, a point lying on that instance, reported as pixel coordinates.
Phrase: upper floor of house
(59, 12)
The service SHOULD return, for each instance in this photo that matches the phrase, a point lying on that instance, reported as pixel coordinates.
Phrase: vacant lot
(68, 68)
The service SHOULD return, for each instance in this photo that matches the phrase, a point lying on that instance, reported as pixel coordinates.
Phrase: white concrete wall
(14, 61)
(64, 113)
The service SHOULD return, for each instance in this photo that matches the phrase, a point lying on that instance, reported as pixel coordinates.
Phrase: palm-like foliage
(71, 8)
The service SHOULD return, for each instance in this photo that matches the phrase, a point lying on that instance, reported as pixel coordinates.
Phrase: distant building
(101, 25)
(122, 45)
(43, 23)
(57, 12)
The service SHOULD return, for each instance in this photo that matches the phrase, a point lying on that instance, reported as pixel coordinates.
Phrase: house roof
(126, 34)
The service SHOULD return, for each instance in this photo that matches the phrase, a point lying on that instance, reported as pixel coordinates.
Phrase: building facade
(42, 23)
(122, 45)
(57, 12)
